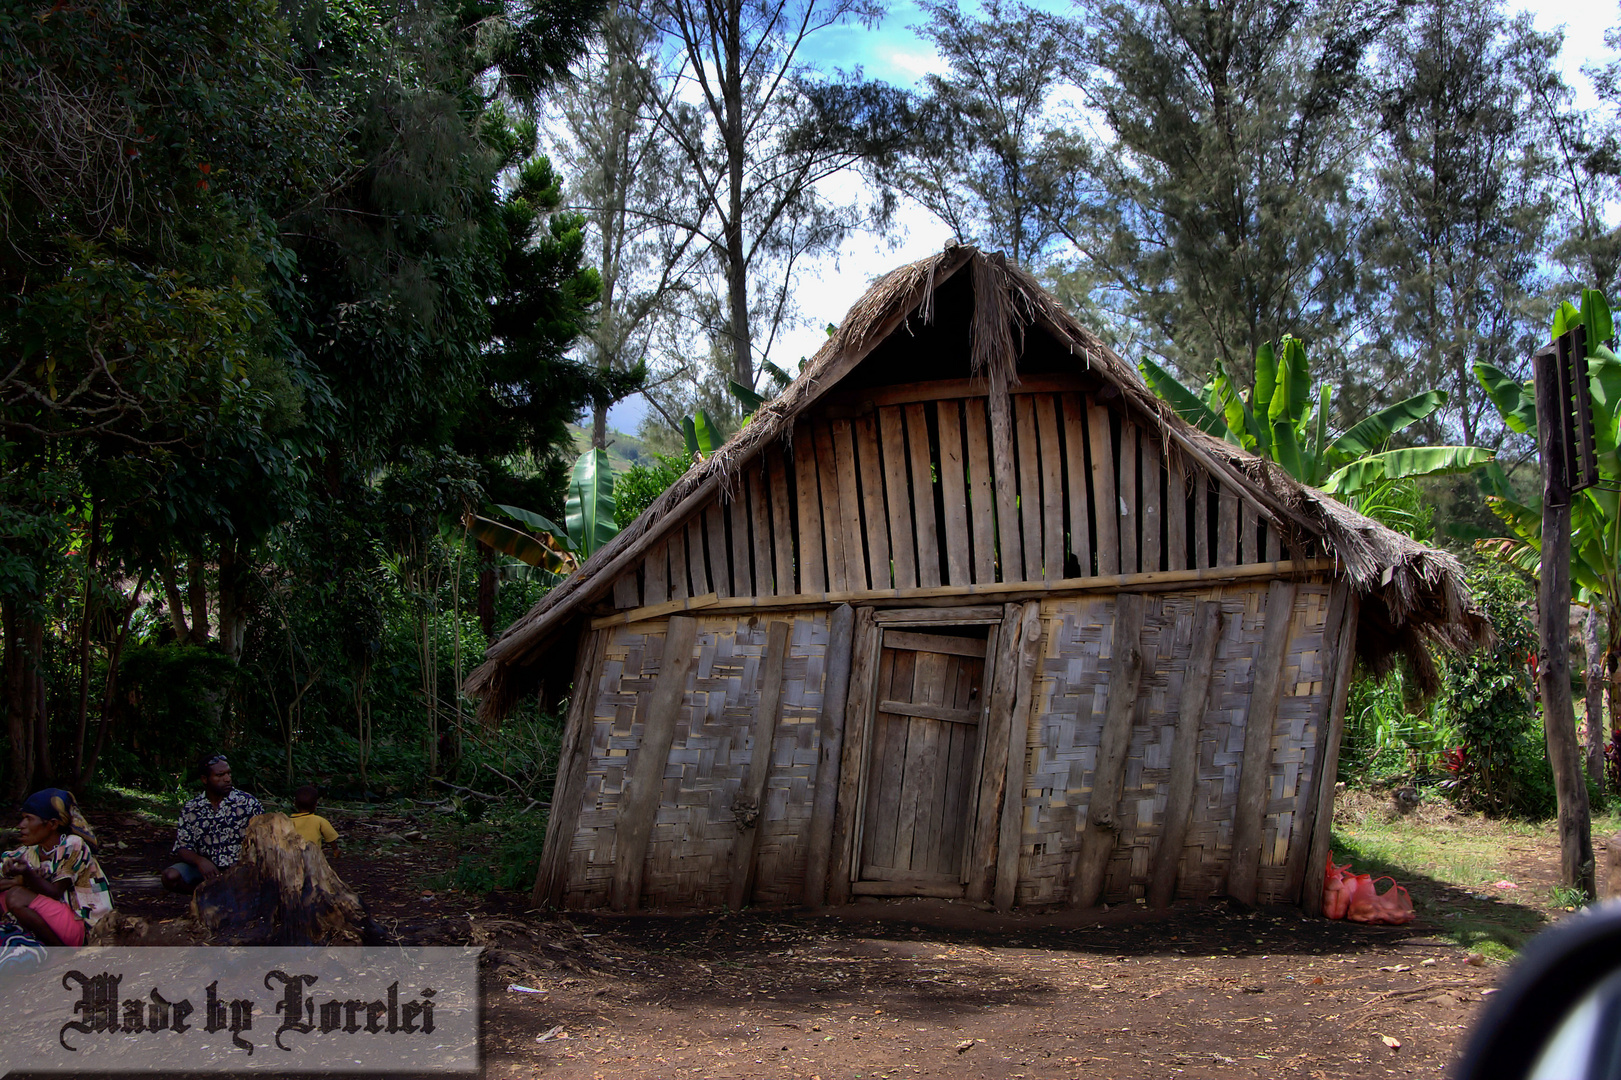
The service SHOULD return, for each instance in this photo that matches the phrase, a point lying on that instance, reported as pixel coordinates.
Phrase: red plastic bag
(1336, 890)
(1395, 907)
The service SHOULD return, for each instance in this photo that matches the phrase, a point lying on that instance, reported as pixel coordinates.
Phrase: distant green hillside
(623, 450)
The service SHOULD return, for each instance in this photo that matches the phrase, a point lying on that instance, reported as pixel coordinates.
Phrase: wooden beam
(1309, 786)
(1150, 474)
(1329, 767)
(1226, 527)
(760, 528)
(1130, 506)
(827, 469)
(982, 501)
(897, 492)
(830, 747)
(1176, 515)
(864, 401)
(844, 452)
(880, 572)
(935, 643)
(782, 523)
(750, 799)
(923, 481)
(656, 589)
(812, 570)
(1008, 544)
(1001, 591)
(551, 880)
(1078, 481)
(864, 650)
(984, 613)
(1100, 830)
(1011, 827)
(720, 562)
(1028, 450)
(644, 789)
(954, 494)
(1184, 778)
(1052, 490)
(1255, 776)
(1105, 503)
(1003, 664)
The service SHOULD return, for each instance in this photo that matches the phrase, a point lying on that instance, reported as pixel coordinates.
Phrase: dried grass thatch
(1411, 594)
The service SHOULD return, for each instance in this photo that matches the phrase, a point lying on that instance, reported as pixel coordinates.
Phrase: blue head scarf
(56, 804)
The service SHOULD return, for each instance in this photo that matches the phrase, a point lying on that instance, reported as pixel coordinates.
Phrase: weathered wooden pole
(1553, 621)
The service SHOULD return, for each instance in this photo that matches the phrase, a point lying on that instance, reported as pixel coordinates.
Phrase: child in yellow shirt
(310, 825)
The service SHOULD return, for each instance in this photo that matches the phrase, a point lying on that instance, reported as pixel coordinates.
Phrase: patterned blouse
(213, 832)
(89, 897)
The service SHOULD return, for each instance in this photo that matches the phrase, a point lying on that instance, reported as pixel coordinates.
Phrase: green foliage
(177, 704)
(637, 487)
(590, 505)
(1390, 733)
(1503, 767)
(1278, 419)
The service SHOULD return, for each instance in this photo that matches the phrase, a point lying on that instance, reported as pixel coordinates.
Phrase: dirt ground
(899, 988)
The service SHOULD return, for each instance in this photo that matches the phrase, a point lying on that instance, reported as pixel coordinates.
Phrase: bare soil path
(899, 988)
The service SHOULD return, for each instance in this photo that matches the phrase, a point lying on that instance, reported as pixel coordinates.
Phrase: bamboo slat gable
(966, 595)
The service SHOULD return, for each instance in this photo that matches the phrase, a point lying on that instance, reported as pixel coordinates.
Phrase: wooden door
(923, 765)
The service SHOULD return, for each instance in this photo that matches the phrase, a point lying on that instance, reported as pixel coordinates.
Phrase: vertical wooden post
(1008, 543)
(1553, 627)
(865, 643)
(830, 744)
(1100, 830)
(1184, 777)
(993, 766)
(1018, 750)
(575, 758)
(750, 798)
(1254, 778)
(639, 805)
(1328, 769)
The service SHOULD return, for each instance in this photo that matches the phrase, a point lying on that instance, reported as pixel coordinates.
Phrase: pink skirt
(61, 919)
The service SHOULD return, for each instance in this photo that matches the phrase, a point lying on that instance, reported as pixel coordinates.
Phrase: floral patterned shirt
(89, 896)
(215, 832)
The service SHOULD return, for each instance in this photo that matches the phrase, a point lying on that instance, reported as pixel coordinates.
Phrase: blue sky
(894, 52)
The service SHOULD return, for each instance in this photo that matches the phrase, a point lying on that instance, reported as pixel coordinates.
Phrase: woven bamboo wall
(1066, 725)
(689, 857)
(897, 488)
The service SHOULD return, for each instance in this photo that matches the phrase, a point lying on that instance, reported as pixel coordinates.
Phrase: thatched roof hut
(964, 457)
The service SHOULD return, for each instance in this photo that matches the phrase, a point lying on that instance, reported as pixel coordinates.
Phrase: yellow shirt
(315, 828)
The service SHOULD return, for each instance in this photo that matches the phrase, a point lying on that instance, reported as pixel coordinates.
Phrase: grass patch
(1449, 870)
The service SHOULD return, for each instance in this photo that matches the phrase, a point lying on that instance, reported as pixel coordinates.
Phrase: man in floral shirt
(212, 824)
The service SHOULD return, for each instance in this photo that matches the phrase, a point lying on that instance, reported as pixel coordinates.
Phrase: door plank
(981, 860)
(830, 752)
(940, 643)
(929, 711)
(1011, 827)
(852, 768)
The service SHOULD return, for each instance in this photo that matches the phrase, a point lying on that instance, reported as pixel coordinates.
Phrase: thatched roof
(1411, 594)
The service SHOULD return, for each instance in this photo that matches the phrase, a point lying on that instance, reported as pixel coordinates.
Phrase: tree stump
(282, 891)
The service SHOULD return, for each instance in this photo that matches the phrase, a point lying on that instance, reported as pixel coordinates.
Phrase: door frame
(925, 619)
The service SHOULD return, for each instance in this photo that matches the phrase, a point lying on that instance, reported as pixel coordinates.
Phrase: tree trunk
(1593, 692)
(282, 891)
(23, 638)
(177, 607)
(109, 694)
(88, 613)
(198, 589)
(233, 616)
(1553, 638)
(44, 775)
(486, 590)
(737, 269)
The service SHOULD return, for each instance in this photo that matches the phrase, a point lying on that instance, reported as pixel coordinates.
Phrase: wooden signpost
(1565, 441)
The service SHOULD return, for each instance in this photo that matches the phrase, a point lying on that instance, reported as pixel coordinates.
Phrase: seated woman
(57, 890)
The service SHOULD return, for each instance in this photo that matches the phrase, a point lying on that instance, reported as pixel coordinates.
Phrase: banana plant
(1595, 513)
(701, 435)
(1282, 420)
(552, 549)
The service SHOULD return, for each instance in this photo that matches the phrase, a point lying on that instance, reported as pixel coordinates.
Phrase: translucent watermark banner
(239, 1010)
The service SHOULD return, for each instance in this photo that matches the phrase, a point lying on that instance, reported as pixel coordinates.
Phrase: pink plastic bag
(1395, 907)
(1336, 890)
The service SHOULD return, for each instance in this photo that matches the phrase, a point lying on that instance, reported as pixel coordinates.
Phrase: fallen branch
(468, 790)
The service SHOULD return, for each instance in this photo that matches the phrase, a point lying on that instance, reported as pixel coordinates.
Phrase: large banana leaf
(700, 433)
(1184, 401)
(1224, 396)
(538, 523)
(747, 397)
(1317, 466)
(547, 552)
(1293, 392)
(1369, 434)
(590, 507)
(1596, 319)
(1266, 380)
(1516, 401)
(1409, 461)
